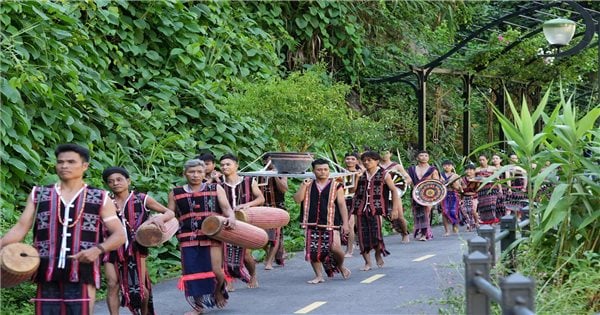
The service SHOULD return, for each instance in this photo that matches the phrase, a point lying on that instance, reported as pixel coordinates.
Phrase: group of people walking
(78, 227)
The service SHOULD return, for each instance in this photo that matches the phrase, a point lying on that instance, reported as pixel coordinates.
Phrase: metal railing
(516, 294)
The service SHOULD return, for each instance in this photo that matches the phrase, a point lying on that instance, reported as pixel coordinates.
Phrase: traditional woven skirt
(369, 233)
(234, 262)
(62, 298)
(486, 205)
(450, 207)
(198, 279)
(318, 249)
(422, 221)
(132, 283)
(516, 200)
(468, 209)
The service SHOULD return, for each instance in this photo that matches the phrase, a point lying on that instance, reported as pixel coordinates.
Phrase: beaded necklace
(67, 208)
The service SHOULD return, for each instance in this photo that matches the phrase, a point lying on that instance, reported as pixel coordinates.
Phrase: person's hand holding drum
(230, 223)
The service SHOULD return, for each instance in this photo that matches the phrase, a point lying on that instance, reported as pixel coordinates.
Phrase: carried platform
(292, 175)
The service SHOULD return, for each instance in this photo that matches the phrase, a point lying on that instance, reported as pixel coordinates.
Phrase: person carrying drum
(126, 266)
(370, 201)
(273, 189)
(323, 213)
(67, 219)
(395, 170)
(201, 257)
(242, 192)
(422, 214)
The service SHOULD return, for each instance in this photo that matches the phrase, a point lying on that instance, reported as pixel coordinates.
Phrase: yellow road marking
(373, 278)
(310, 307)
(424, 257)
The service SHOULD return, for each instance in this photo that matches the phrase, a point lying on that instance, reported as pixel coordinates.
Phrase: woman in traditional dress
(488, 194)
(469, 197)
(451, 203)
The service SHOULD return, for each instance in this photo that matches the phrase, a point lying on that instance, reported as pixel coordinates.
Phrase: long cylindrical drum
(244, 234)
(150, 235)
(18, 263)
(264, 217)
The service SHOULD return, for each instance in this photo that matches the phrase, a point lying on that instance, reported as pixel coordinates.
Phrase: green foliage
(564, 228)
(304, 111)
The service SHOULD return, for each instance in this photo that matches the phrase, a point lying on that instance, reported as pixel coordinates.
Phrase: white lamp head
(559, 32)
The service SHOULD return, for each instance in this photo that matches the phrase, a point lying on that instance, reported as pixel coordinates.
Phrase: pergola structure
(528, 16)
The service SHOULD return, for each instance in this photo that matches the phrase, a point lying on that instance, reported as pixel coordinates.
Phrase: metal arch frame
(422, 73)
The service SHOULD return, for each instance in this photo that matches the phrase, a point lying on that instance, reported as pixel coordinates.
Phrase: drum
(244, 234)
(150, 235)
(429, 192)
(18, 263)
(399, 182)
(264, 217)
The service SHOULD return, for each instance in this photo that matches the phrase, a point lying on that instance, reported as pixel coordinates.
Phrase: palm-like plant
(565, 223)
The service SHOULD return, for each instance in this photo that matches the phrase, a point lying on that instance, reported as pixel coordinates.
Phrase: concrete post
(478, 243)
(476, 264)
(517, 290)
(489, 233)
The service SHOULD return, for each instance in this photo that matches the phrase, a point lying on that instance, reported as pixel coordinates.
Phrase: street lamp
(559, 32)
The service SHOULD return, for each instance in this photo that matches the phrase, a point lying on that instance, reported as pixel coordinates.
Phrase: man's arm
(281, 183)
(225, 207)
(395, 198)
(259, 198)
(108, 213)
(299, 195)
(18, 232)
(168, 214)
(341, 200)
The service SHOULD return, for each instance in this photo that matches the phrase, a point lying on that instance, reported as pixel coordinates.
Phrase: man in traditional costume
(242, 192)
(125, 267)
(351, 160)
(451, 214)
(68, 219)
(395, 169)
(201, 257)
(323, 213)
(369, 206)
(273, 190)
(212, 175)
(422, 214)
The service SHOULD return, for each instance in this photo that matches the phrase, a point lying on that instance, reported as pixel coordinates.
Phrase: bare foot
(230, 287)
(366, 268)
(405, 239)
(253, 283)
(347, 255)
(346, 273)
(423, 238)
(316, 280)
(446, 234)
(268, 267)
(455, 229)
(379, 260)
(220, 299)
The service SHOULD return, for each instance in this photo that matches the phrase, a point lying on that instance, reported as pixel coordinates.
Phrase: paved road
(412, 281)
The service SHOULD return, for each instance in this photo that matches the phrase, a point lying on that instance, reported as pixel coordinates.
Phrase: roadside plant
(562, 166)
